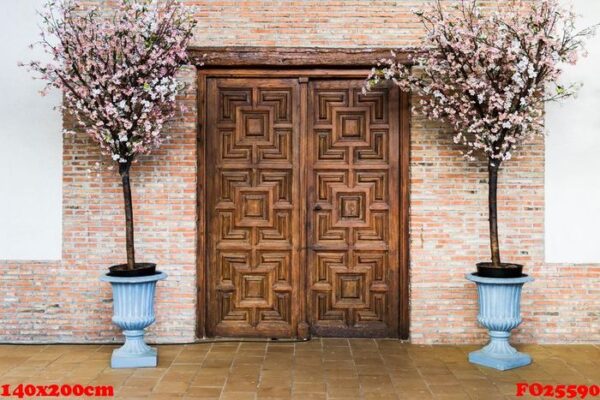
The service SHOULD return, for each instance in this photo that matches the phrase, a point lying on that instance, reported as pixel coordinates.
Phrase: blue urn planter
(499, 312)
(133, 311)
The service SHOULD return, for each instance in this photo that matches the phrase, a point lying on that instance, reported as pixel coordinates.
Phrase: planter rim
(159, 276)
(498, 281)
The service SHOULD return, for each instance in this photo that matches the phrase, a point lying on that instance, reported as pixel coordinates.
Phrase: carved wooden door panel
(253, 206)
(353, 209)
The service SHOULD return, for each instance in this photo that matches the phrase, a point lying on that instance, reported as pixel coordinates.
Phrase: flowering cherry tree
(117, 72)
(487, 73)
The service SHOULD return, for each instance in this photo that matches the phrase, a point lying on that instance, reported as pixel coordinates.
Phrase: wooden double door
(303, 208)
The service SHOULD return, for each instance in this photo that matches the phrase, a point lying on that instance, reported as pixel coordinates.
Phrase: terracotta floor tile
(189, 358)
(164, 396)
(506, 388)
(321, 369)
(448, 392)
(308, 363)
(165, 362)
(274, 391)
(177, 377)
(248, 360)
(342, 379)
(278, 373)
(309, 388)
(171, 387)
(222, 350)
(309, 396)
(154, 373)
(37, 362)
(234, 380)
(429, 370)
(410, 395)
(207, 380)
(217, 363)
(245, 370)
(241, 386)
(486, 396)
(134, 381)
(380, 396)
(311, 344)
(376, 379)
(202, 392)
(342, 392)
(337, 365)
(309, 379)
(274, 366)
(371, 370)
(219, 383)
(275, 382)
(22, 372)
(441, 379)
(127, 391)
(238, 396)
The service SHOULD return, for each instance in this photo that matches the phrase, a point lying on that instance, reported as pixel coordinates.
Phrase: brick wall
(449, 235)
(64, 301)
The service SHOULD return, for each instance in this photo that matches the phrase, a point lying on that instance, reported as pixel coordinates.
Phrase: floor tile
(321, 369)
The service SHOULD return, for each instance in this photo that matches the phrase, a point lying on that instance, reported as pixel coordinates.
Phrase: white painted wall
(573, 159)
(30, 145)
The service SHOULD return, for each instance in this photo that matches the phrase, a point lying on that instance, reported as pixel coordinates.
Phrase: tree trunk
(493, 166)
(124, 172)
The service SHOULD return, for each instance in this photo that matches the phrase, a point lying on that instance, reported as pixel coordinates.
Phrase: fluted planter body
(500, 313)
(133, 311)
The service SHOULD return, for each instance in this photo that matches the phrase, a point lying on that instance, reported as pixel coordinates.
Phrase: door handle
(318, 207)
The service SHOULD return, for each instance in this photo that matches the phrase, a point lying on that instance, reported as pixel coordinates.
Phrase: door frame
(304, 64)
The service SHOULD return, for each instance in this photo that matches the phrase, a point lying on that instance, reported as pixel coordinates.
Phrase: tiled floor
(319, 369)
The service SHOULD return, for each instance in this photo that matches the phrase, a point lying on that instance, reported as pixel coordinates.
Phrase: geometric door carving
(252, 128)
(353, 210)
(288, 246)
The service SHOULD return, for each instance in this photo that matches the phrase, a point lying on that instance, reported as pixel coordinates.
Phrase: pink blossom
(488, 72)
(117, 70)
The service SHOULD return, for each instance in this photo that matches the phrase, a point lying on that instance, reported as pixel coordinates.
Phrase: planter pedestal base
(144, 360)
(134, 353)
(499, 354)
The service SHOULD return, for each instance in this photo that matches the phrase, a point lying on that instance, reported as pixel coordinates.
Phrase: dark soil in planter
(488, 270)
(139, 269)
